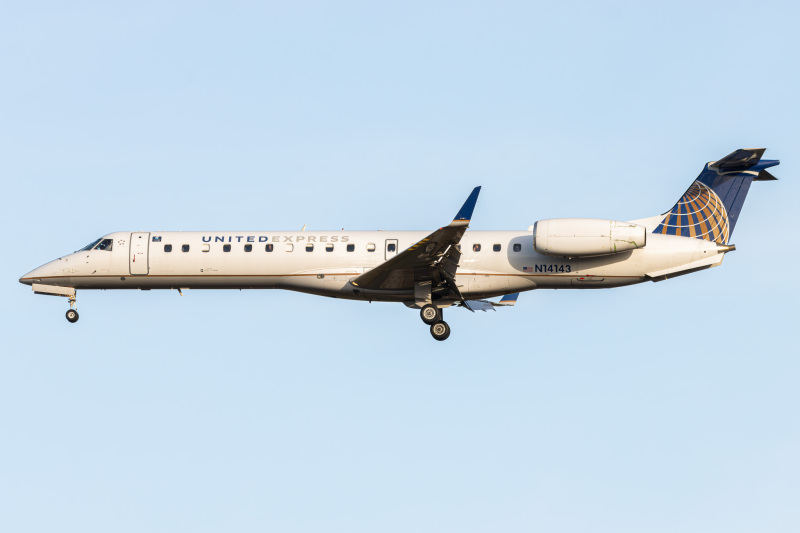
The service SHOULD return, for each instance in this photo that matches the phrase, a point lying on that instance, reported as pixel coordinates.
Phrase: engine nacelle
(579, 237)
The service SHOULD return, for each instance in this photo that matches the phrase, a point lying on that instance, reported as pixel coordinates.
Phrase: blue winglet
(509, 299)
(465, 213)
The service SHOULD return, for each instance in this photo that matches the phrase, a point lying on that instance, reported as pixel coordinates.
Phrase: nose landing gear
(72, 313)
(432, 316)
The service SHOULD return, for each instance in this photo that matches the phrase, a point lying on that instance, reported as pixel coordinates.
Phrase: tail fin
(710, 207)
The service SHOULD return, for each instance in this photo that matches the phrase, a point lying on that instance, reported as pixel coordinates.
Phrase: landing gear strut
(72, 313)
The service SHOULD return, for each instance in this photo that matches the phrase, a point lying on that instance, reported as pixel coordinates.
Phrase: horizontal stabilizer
(702, 264)
(764, 176)
(741, 159)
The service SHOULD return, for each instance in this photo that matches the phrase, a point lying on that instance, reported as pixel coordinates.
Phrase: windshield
(90, 246)
(99, 244)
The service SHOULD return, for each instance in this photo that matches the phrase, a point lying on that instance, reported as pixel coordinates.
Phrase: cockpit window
(99, 244)
(90, 246)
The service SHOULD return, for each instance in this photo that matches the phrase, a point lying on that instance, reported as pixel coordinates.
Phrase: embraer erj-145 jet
(426, 271)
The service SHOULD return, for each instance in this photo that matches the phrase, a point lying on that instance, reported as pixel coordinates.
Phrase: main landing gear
(72, 313)
(432, 316)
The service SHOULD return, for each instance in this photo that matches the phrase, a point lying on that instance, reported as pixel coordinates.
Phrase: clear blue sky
(659, 407)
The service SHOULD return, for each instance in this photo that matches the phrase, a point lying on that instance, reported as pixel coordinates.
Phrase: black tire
(430, 314)
(440, 330)
(72, 315)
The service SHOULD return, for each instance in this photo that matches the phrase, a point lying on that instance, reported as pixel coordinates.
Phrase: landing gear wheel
(72, 315)
(430, 314)
(440, 330)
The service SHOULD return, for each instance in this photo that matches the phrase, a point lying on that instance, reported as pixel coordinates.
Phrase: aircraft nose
(27, 279)
(34, 276)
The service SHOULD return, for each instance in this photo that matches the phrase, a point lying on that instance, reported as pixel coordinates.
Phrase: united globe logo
(699, 213)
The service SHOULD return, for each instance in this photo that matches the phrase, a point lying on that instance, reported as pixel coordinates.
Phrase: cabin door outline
(140, 254)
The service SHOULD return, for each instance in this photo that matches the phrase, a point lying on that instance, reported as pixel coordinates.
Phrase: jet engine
(580, 237)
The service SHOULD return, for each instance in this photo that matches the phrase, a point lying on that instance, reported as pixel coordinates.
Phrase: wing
(434, 258)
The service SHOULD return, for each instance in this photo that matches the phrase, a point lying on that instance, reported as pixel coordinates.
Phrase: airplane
(426, 271)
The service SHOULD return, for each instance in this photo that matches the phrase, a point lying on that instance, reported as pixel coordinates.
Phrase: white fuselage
(323, 262)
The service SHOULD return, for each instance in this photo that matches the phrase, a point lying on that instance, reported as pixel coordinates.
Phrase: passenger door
(139, 260)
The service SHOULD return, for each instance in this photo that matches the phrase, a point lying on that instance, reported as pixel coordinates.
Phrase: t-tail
(710, 207)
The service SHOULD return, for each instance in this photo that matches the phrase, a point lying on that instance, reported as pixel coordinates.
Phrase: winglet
(465, 213)
(508, 299)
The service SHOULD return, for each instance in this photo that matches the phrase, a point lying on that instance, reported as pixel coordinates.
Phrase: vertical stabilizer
(711, 206)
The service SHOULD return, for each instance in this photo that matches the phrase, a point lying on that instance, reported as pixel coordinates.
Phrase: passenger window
(168, 248)
(268, 248)
(105, 244)
(309, 247)
(496, 247)
(226, 247)
(371, 247)
(248, 247)
(476, 247)
(185, 248)
(206, 247)
(351, 247)
(290, 247)
(391, 248)
(328, 247)
(517, 247)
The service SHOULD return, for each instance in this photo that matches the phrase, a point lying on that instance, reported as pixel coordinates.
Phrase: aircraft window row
(168, 248)
(106, 245)
(495, 247)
